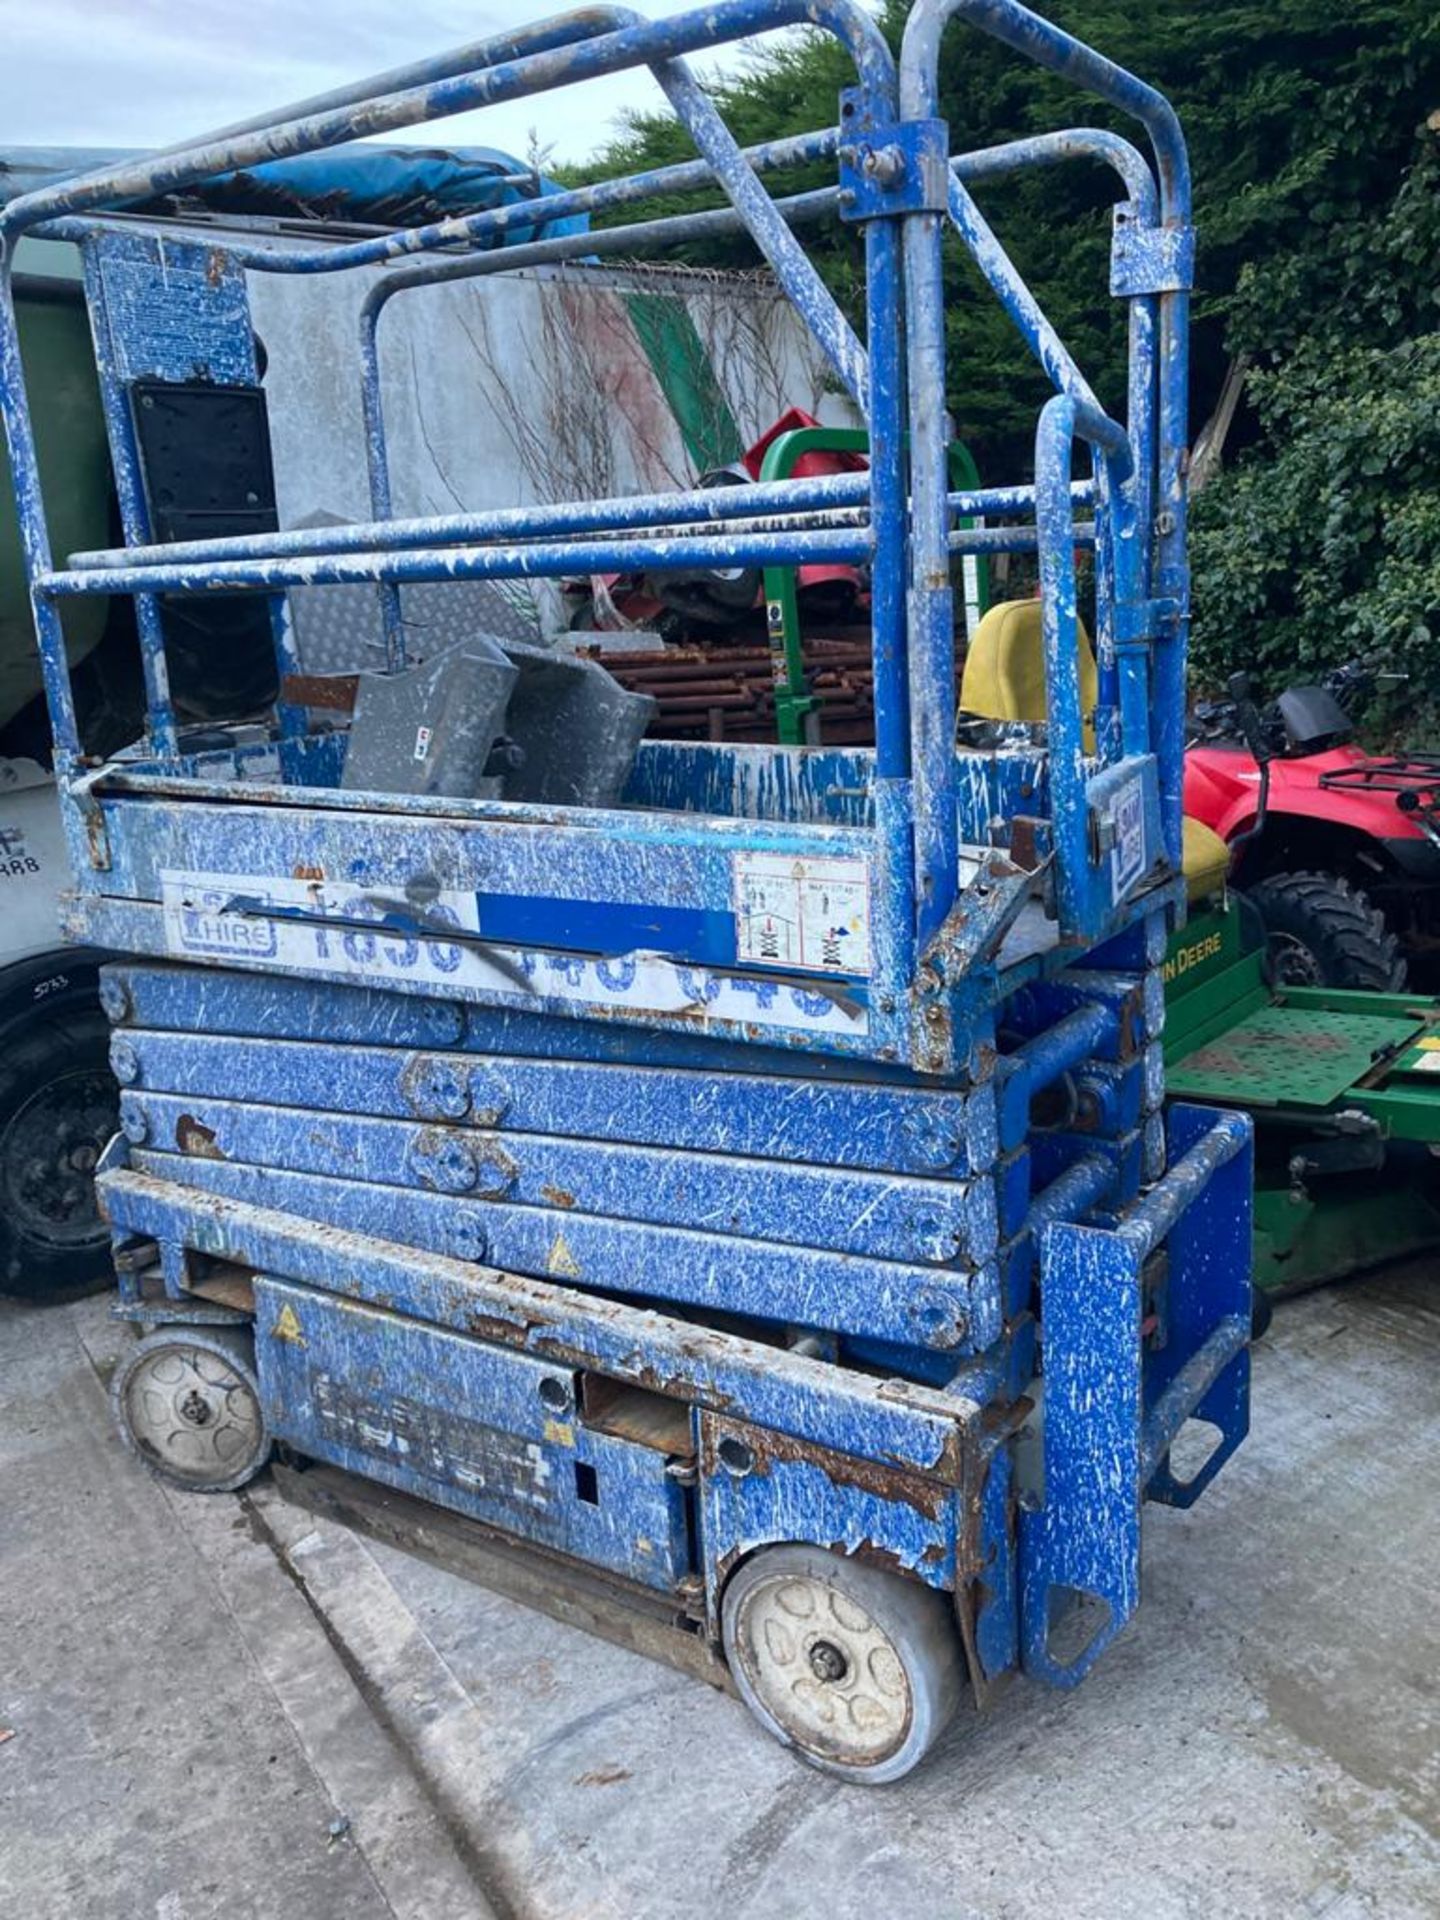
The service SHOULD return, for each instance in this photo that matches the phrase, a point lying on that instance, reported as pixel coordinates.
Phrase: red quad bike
(1342, 857)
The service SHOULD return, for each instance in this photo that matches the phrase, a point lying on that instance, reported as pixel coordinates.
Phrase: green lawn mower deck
(1344, 1090)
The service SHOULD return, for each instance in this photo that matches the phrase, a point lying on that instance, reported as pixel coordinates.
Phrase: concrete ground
(221, 1706)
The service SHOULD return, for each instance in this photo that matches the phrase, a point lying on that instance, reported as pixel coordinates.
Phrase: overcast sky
(146, 73)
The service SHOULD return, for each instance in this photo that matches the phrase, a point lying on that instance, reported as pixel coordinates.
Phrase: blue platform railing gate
(943, 895)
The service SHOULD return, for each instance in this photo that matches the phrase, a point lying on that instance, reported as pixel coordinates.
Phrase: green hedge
(1311, 132)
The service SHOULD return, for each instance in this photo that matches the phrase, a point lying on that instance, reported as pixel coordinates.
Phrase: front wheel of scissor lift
(188, 1403)
(858, 1670)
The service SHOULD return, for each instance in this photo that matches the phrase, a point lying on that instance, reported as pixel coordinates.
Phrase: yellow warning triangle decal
(287, 1327)
(562, 1260)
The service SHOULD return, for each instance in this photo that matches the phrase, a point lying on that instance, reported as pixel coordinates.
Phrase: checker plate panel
(1288, 1056)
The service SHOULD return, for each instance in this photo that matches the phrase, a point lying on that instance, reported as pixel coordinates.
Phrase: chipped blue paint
(704, 507)
(1080, 1537)
(808, 1120)
(663, 995)
(516, 562)
(827, 786)
(821, 500)
(571, 1205)
(767, 1281)
(169, 308)
(913, 1426)
(947, 1223)
(754, 1493)
(278, 1006)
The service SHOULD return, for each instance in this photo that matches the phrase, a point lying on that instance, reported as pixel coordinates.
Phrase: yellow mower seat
(1205, 860)
(1004, 677)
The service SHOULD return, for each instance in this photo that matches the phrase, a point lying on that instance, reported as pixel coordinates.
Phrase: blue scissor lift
(756, 1193)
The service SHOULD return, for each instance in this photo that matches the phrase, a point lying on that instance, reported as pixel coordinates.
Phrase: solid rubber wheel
(58, 1108)
(187, 1401)
(858, 1670)
(1322, 932)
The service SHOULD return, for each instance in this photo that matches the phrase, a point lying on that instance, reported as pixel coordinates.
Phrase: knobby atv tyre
(1322, 932)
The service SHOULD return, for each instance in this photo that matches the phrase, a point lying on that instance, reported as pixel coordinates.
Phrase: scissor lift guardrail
(774, 1160)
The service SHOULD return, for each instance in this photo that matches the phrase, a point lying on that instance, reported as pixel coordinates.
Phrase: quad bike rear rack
(1413, 779)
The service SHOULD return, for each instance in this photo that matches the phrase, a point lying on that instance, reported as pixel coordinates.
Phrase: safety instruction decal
(1127, 857)
(809, 914)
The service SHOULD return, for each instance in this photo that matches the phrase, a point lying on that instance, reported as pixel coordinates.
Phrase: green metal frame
(1307, 1239)
(793, 700)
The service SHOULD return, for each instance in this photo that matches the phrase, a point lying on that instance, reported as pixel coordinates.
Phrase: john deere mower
(1343, 1088)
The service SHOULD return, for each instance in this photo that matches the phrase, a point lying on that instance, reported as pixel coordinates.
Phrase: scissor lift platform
(756, 1187)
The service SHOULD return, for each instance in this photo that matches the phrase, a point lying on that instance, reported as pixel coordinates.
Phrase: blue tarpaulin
(365, 183)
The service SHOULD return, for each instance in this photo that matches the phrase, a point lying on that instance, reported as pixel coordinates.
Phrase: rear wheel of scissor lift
(859, 1671)
(188, 1403)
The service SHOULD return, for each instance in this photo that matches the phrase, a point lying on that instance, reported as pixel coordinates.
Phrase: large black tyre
(1322, 932)
(57, 1109)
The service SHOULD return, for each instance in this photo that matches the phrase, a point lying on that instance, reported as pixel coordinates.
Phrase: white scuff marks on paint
(890, 1190)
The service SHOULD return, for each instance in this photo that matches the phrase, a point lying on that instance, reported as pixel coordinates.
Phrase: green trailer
(1343, 1088)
